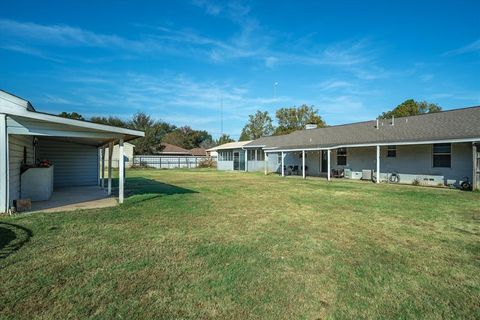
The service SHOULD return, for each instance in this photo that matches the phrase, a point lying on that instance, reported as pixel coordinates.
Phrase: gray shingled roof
(446, 125)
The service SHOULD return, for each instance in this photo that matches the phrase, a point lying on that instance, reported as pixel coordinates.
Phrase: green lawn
(206, 244)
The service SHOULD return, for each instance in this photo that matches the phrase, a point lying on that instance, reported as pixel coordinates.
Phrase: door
(236, 160)
(324, 160)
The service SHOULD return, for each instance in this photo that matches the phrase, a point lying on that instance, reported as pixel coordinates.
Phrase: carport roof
(23, 119)
(452, 125)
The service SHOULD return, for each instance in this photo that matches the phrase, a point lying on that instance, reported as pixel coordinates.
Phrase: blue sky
(177, 60)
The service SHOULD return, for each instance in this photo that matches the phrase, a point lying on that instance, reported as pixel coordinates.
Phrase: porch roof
(23, 119)
(447, 126)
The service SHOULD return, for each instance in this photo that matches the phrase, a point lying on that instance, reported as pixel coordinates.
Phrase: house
(173, 150)
(212, 152)
(232, 156)
(198, 152)
(429, 149)
(41, 153)
(128, 151)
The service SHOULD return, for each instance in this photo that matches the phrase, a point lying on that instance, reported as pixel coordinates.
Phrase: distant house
(198, 152)
(212, 152)
(231, 156)
(128, 155)
(430, 149)
(173, 150)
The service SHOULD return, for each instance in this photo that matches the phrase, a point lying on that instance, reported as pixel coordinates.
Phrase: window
(251, 154)
(260, 155)
(442, 155)
(342, 157)
(391, 151)
(279, 159)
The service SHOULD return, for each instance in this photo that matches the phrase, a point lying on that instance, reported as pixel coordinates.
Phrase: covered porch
(58, 163)
(434, 163)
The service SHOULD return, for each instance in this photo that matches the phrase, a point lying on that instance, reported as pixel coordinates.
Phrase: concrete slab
(74, 198)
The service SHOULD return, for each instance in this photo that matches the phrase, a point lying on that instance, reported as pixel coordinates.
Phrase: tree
(224, 138)
(292, 119)
(258, 125)
(411, 107)
(188, 138)
(72, 115)
(111, 121)
(154, 132)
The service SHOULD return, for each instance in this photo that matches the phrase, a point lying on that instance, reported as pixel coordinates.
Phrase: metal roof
(230, 145)
(446, 125)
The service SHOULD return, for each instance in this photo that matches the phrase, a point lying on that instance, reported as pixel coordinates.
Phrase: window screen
(442, 155)
(342, 157)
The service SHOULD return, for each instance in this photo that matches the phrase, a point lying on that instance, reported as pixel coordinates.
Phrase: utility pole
(221, 115)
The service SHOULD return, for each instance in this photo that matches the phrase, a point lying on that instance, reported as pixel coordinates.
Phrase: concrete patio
(74, 198)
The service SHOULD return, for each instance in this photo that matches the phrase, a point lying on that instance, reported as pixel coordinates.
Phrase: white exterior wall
(128, 150)
(225, 165)
(412, 162)
(16, 144)
(74, 164)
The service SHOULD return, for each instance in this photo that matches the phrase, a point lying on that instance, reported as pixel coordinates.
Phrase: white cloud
(469, 48)
(210, 7)
(334, 84)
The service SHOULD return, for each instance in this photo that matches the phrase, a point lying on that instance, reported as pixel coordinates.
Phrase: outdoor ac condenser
(366, 174)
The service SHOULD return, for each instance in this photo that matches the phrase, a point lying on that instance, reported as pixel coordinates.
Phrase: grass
(206, 244)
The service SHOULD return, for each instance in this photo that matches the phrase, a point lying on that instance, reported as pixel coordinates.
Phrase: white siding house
(431, 149)
(128, 155)
(72, 146)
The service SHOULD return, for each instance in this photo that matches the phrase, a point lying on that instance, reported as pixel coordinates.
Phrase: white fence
(168, 162)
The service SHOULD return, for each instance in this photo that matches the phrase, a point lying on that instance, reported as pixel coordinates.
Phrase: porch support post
(475, 166)
(246, 161)
(265, 157)
(3, 164)
(283, 164)
(303, 163)
(329, 152)
(110, 153)
(378, 165)
(121, 171)
(103, 166)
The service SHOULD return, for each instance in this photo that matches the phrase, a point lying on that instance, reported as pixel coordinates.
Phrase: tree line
(259, 124)
(156, 132)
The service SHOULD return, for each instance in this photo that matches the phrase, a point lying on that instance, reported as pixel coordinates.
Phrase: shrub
(416, 182)
(207, 163)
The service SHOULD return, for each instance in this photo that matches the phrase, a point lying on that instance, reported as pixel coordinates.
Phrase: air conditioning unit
(367, 174)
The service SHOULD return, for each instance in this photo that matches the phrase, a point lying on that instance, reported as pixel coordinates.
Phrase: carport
(73, 150)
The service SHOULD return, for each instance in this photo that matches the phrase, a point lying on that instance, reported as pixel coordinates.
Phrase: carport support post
(3, 164)
(121, 171)
(378, 164)
(303, 163)
(103, 167)
(329, 152)
(246, 161)
(110, 153)
(283, 164)
(265, 162)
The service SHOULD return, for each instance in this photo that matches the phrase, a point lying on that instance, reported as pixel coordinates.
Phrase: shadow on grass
(12, 238)
(140, 185)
